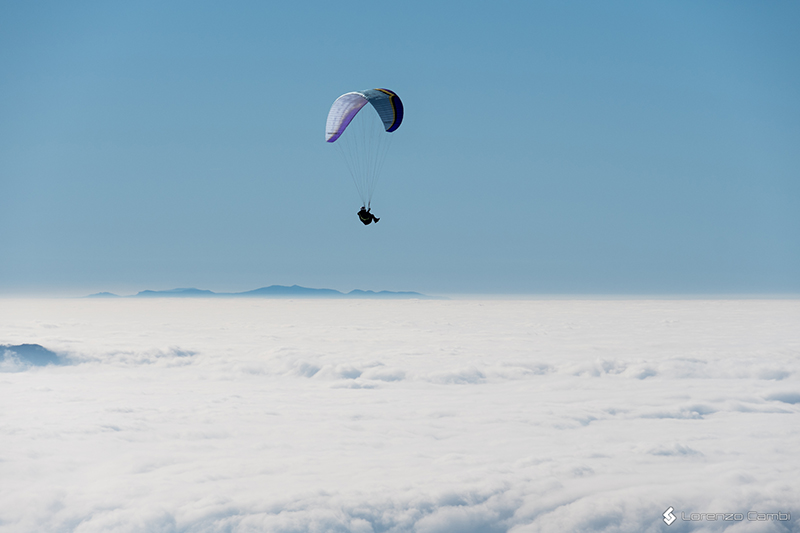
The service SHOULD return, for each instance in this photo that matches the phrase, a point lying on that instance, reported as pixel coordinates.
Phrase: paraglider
(366, 217)
(362, 138)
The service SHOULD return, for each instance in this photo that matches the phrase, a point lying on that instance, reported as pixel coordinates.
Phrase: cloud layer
(425, 416)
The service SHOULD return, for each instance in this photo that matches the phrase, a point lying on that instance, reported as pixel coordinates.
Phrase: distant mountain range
(273, 291)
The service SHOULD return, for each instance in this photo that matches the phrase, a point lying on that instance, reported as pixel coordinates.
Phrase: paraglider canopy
(344, 109)
(361, 136)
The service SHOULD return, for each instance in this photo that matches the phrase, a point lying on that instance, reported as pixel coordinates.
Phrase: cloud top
(401, 416)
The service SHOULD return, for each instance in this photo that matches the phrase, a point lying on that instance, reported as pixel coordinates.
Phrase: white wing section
(342, 112)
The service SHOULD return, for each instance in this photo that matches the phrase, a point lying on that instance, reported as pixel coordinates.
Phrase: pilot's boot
(376, 219)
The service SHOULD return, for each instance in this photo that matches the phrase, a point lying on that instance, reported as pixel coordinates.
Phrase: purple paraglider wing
(386, 103)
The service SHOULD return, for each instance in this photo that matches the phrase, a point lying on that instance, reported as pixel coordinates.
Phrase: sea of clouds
(223, 415)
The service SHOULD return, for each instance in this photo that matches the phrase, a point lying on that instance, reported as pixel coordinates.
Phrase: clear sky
(547, 147)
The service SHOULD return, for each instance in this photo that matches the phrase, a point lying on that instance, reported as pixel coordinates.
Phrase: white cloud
(235, 416)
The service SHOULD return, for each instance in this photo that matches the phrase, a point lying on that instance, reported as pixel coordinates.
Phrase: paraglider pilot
(366, 217)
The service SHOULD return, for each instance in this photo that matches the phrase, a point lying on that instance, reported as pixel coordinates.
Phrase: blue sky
(548, 147)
